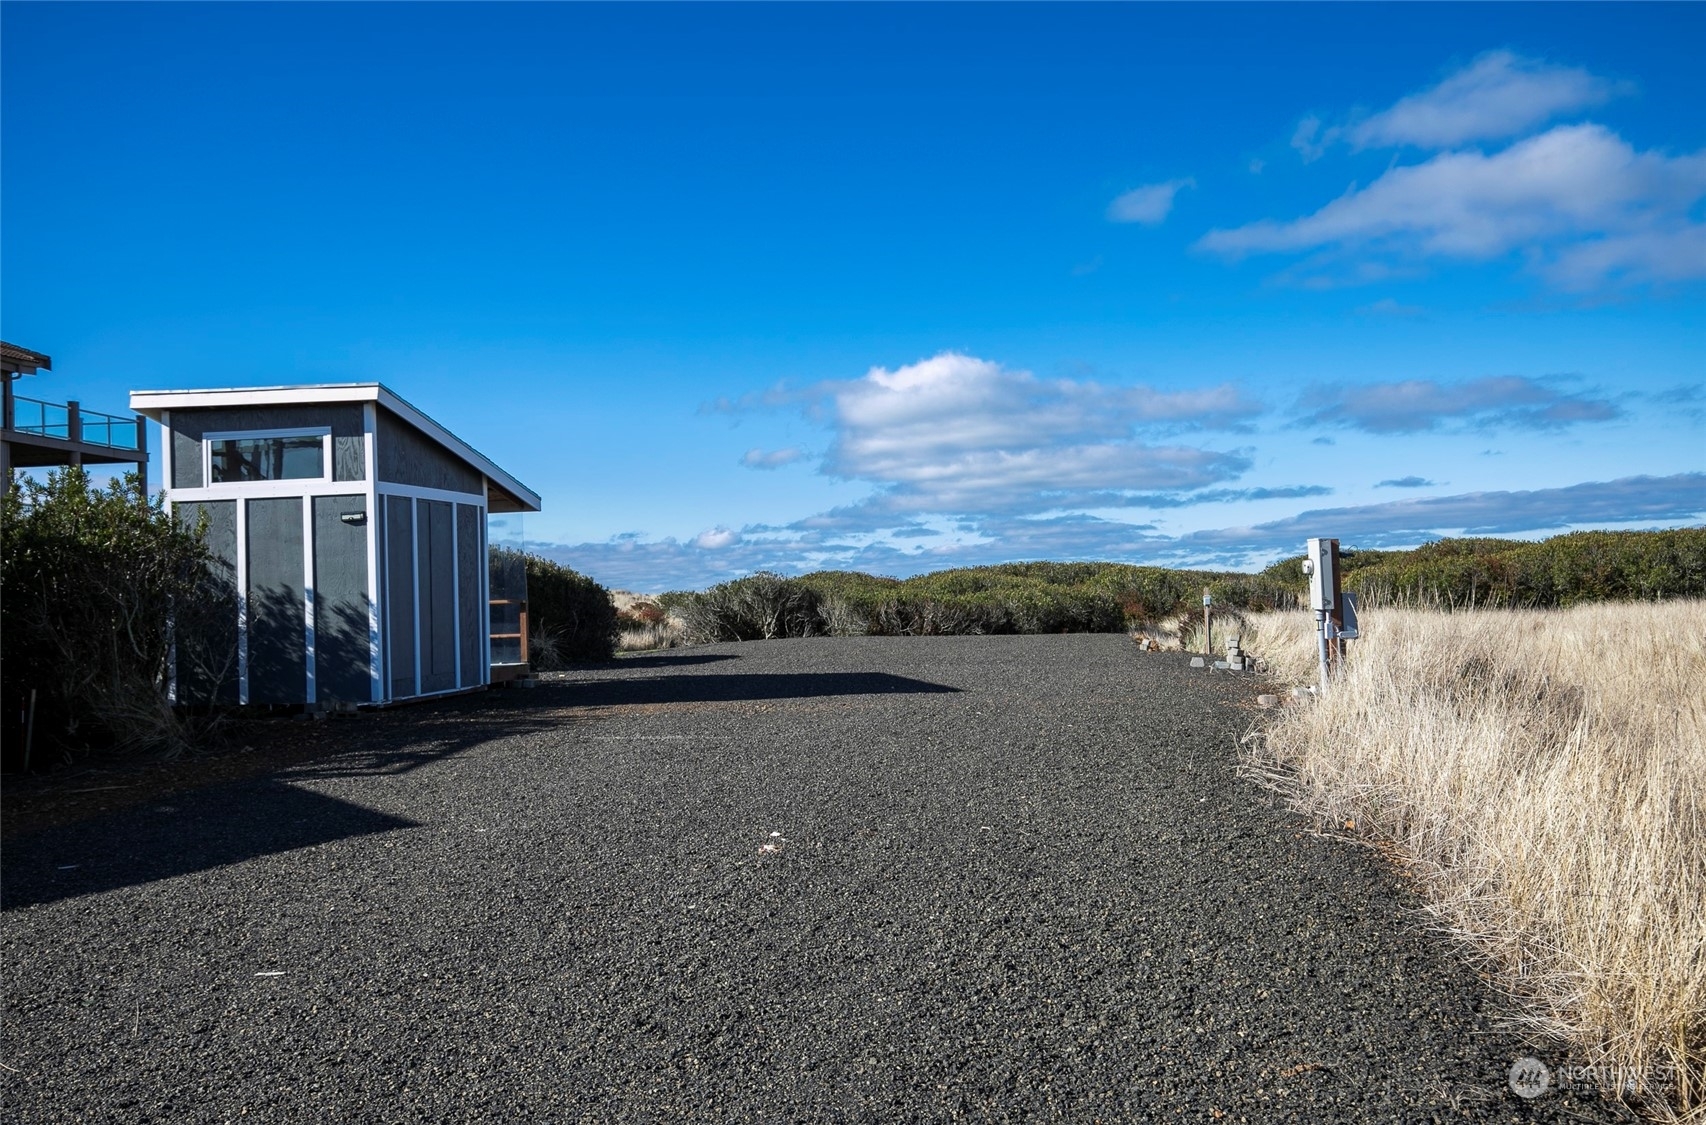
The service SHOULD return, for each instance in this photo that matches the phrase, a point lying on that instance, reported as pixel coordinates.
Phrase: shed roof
(153, 404)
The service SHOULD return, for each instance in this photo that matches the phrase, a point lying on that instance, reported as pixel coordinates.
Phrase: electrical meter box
(1321, 564)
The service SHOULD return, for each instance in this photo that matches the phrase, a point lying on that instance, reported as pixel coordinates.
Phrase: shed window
(289, 457)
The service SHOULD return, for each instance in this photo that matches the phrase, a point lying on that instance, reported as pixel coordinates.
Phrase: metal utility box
(352, 529)
(1321, 564)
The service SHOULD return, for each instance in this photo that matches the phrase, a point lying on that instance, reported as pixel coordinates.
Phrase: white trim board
(271, 489)
(309, 657)
(418, 492)
(375, 642)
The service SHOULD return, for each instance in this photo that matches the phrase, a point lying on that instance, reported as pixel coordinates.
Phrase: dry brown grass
(668, 633)
(1543, 773)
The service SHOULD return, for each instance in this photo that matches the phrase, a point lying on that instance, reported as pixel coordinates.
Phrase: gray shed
(353, 529)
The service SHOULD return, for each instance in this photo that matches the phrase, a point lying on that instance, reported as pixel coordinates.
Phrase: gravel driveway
(880, 879)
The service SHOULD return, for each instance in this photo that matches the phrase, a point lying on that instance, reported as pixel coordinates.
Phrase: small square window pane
(279, 458)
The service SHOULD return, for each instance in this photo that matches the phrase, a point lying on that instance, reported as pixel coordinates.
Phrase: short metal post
(1321, 637)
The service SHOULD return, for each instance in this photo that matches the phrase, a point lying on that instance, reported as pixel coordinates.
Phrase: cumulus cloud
(1415, 405)
(955, 433)
(1585, 205)
(773, 459)
(1149, 205)
(1499, 95)
(1406, 482)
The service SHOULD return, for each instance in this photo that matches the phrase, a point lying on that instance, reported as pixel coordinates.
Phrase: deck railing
(70, 422)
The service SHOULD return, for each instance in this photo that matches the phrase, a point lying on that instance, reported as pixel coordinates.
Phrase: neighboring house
(353, 529)
(36, 434)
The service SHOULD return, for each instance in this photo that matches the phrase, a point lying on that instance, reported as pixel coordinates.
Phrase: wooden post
(1207, 624)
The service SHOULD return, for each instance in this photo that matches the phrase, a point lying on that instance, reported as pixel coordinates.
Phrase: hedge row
(1086, 597)
(1006, 599)
(1586, 566)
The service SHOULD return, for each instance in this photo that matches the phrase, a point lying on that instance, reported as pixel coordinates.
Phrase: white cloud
(955, 434)
(716, 539)
(773, 459)
(1499, 95)
(1149, 205)
(1587, 207)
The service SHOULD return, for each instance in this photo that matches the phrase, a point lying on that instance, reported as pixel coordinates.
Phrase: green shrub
(1087, 597)
(762, 606)
(89, 580)
(570, 615)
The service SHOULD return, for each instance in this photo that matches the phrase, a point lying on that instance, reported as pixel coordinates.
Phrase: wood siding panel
(278, 642)
(469, 568)
(407, 456)
(437, 597)
(398, 596)
(341, 657)
(349, 462)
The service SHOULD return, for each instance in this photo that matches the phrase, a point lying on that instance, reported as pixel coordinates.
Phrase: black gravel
(1012, 878)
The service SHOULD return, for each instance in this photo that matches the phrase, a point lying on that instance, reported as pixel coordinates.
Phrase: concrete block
(1268, 700)
(1198, 662)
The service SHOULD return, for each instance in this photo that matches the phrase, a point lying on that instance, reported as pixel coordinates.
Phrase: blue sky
(903, 287)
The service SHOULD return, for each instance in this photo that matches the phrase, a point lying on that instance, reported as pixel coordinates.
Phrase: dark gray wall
(349, 460)
(468, 570)
(437, 595)
(398, 596)
(278, 645)
(206, 634)
(341, 651)
(407, 456)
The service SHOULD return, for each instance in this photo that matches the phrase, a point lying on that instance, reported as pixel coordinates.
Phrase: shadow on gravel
(382, 751)
(737, 687)
(187, 832)
(660, 660)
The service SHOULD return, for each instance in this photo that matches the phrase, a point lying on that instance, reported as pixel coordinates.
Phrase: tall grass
(1543, 773)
